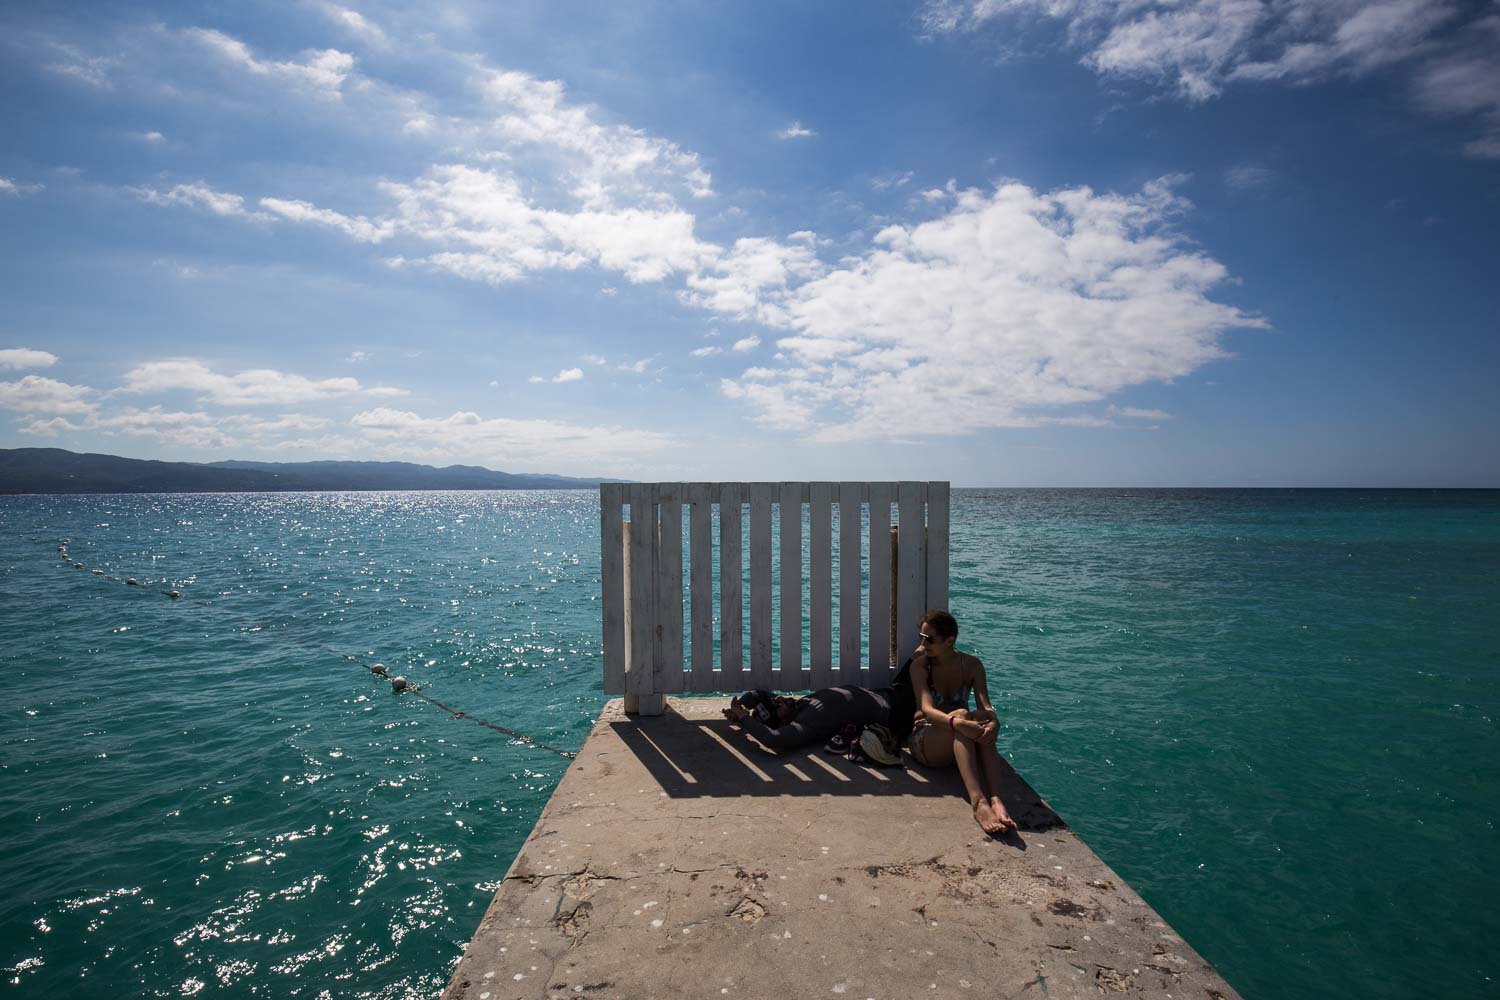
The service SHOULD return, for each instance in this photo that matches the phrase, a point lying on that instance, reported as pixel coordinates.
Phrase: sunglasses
(928, 640)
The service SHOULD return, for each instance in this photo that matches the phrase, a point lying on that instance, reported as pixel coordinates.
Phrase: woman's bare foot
(998, 808)
(985, 816)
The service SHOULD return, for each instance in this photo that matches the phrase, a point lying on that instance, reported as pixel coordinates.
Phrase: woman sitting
(946, 731)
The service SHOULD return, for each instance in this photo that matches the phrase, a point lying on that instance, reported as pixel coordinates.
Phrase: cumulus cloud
(1013, 309)
(19, 358)
(744, 344)
(568, 375)
(749, 281)
(796, 130)
(634, 367)
(595, 359)
(504, 442)
(256, 387)
(38, 394)
(706, 352)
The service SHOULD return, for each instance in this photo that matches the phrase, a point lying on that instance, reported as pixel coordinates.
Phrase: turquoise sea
(1273, 712)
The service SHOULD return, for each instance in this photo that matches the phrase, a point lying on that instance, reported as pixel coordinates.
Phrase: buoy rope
(398, 683)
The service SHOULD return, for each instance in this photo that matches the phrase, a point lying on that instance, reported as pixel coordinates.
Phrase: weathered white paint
(645, 630)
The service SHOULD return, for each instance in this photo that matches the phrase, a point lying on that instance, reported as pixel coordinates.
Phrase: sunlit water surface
(1272, 712)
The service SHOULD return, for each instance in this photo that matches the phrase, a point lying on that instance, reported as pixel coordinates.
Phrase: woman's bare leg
(967, 755)
(989, 759)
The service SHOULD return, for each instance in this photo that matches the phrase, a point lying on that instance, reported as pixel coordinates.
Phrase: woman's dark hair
(941, 622)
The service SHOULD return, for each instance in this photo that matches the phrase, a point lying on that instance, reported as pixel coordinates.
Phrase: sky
(995, 242)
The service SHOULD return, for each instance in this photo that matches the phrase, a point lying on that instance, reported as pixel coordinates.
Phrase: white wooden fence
(647, 651)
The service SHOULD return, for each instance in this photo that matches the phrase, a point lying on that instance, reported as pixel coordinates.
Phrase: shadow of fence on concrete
(711, 758)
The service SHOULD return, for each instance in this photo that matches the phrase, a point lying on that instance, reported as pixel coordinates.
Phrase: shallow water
(1273, 712)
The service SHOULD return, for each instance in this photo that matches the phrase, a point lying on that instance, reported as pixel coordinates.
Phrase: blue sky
(1006, 242)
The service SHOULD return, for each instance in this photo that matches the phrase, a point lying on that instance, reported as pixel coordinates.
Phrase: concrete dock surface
(679, 859)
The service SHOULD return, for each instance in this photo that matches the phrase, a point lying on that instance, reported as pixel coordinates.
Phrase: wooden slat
(790, 675)
(731, 590)
(937, 545)
(761, 498)
(820, 585)
(851, 635)
(640, 677)
(700, 576)
(879, 625)
(612, 584)
(911, 582)
(669, 678)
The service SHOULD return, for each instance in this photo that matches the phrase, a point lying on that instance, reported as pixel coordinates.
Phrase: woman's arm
(921, 685)
(988, 719)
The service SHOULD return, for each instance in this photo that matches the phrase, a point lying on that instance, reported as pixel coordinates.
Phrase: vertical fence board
(820, 584)
(911, 583)
(612, 584)
(937, 545)
(669, 674)
(642, 590)
(700, 576)
(731, 590)
(881, 495)
(850, 633)
(789, 675)
(761, 497)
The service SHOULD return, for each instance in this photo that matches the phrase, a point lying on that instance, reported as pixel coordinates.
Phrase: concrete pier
(678, 859)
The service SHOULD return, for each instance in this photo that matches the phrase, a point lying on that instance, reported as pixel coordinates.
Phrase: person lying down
(783, 723)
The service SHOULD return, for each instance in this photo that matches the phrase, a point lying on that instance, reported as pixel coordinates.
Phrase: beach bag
(879, 746)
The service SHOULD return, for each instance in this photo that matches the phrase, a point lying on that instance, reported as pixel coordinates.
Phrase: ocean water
(1273, 712)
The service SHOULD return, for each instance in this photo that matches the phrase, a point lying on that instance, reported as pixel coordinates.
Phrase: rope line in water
(398, 683)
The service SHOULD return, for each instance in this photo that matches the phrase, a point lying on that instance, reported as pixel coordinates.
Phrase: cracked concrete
(676, 858)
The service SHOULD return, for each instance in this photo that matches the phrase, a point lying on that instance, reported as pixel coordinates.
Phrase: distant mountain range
(53, 470)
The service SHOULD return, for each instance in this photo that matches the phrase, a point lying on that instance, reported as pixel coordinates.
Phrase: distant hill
(54, 470)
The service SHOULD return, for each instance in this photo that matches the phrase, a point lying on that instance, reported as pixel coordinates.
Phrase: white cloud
(749, 281)
(75, 64)
(1199, 46)
(568, 375)
(706, 352)
(18, 358)
(198, 195)
(595, 359)
(1465, 80)
(10, 187)
(1136, 413)
(1012, 309)
(319, 71)
(635, 367)
(892, 181)
(151, 138)
(38, 394)
(257, 387)
(358, 228)
(535, 379)
(796, 130)
(356, 24)
(749, 343)
(504, 442)
(358, 357)
(50, 428)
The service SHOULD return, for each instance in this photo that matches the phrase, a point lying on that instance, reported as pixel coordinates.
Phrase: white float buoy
(97, 572)
(378, 669)
(174, 594)
(398, 683)
(131, 582)
(78, 565)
